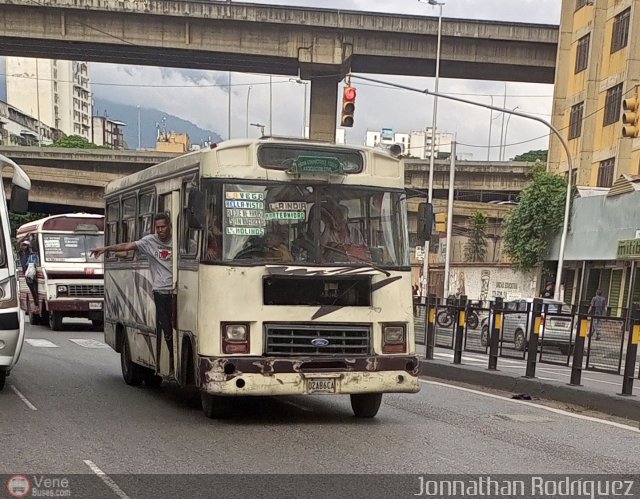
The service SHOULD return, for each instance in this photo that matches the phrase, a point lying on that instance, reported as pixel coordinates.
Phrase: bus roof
(237, 159)
(68, 222)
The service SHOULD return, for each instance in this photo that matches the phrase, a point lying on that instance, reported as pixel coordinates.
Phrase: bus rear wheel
(3, 378)
(214, 406)
(366, 405)
(133, 374)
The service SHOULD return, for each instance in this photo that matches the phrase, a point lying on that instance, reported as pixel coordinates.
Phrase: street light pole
(304, 107)
(563, 141)
(270, 105)
(490, 125)
(248, 94)
(138, 126)
(506, 131)
(434, 122)
(229, 113)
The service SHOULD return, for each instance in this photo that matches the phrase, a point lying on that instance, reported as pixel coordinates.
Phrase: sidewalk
(599, 391)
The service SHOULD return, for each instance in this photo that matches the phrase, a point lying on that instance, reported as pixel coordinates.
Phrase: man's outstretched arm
(114, 247)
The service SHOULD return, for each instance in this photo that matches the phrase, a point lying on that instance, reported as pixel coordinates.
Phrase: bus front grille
(86, 290)
(314, 339)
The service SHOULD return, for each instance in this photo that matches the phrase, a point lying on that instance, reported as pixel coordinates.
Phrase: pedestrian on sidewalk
(598, 308)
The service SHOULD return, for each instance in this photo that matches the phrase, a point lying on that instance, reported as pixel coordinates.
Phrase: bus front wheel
(55, 321)
(366, 405)
(214, 406)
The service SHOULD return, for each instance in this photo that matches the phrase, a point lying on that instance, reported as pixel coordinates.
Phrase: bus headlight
(394, 338)
(62, 290)
(235, 338)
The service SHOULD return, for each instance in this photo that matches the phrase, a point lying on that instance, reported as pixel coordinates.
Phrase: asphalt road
(66, 408)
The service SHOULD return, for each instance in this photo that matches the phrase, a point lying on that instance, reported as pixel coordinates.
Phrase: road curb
(616, 405)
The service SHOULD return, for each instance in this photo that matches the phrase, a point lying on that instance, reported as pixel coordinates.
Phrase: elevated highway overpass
(321, 45)
(74, 179)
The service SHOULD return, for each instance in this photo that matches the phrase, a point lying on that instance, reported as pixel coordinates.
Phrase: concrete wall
(489, 282)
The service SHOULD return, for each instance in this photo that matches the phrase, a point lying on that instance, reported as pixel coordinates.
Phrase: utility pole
(447, 258)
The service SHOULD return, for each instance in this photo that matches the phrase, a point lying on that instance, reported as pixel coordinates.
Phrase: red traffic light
(349, 94)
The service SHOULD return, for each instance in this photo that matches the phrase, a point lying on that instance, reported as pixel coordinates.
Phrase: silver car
(557, 329)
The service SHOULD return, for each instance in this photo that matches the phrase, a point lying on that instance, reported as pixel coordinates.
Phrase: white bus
(11, 317)
(69, 280)
(291, 273)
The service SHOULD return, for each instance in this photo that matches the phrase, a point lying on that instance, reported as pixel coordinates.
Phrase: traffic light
(631, 116)
(348, 106)
(441, 222)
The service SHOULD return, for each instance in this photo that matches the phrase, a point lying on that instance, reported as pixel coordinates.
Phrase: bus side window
(145, 214)
(188, 237)
(111, 234)
(128, 233)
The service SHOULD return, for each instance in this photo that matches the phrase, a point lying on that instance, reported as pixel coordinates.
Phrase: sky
(202, 97)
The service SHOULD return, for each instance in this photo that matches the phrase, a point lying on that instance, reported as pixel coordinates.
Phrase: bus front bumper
(255, 376)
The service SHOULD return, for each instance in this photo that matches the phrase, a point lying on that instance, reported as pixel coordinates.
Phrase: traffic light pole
(565, 145)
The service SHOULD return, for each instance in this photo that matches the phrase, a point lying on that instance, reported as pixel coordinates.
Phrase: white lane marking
(106, 479)
(538, 406)
(88, 343)
(41, 343)
(24, 399)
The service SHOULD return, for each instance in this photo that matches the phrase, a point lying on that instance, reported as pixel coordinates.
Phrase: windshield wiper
(370, 264)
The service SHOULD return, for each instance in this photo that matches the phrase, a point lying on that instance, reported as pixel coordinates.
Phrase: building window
(620, 35)
(582, 54)
(582, 3)
(612, 105)
(605, 172)
(575, 121)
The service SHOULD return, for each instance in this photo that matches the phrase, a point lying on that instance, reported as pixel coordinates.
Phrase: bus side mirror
(196, 211)
(425, 221)
(19, 199)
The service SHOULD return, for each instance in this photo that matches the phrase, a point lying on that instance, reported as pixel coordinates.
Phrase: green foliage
(75, 142)
(18, 219)
(535, 220)
(533, 156)
(476, 248)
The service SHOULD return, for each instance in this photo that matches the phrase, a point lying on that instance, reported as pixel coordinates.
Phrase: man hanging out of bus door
(158, 248)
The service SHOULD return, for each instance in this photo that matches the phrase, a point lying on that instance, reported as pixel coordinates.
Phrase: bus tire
(34, 319)
(365, 405)
(152, 380)
(215, 406)
(3, 378)
(97, 324)
(133, 374)
(55, 321)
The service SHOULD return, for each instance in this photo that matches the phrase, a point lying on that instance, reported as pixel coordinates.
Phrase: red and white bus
(70, 283)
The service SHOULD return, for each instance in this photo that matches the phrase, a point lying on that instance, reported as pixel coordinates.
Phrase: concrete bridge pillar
(323, 110)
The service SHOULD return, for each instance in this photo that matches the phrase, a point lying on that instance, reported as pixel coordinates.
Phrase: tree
(535, 220)
(476, 248)
(75, 142)
(533, 156)
(18, 219)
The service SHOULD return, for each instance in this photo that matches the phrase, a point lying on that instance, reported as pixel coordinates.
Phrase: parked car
(558, 325)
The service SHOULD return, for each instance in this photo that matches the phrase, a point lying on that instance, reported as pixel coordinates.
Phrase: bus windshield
(279, 223)
(71, 248)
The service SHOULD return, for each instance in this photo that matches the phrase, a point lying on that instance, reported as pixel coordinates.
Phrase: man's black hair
(162, 216)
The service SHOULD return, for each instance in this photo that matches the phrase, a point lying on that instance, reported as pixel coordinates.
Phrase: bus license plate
(321, 385)
(95, 306)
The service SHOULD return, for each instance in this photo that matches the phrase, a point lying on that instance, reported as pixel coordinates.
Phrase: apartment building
(597, 69)
(56, 92)
(107, 132)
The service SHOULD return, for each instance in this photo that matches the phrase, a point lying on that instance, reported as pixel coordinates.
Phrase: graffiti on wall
(489, 283)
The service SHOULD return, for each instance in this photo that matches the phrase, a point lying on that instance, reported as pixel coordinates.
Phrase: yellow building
(598, 67)
(173, 142)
